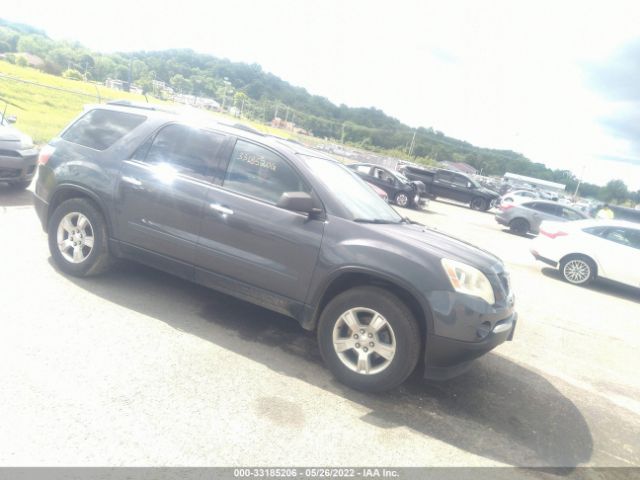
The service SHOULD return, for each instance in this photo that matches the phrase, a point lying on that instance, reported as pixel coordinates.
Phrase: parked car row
(402, 191)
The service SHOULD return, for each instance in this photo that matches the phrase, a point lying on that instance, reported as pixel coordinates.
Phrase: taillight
(553, 235)
(45, 154)
(505, 207)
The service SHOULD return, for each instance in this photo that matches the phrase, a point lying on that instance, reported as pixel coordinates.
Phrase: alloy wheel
(364, 341)
(577, 271)
(75, 237)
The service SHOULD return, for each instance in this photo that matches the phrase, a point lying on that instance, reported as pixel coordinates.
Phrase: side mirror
(296, 202)
(470, 185)
(11, 119)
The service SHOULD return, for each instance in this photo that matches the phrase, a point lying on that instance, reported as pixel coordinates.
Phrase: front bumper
(465, 328)
(18, 165)
(447, 358)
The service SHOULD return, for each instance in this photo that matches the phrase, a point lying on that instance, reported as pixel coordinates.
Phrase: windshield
(352, 192)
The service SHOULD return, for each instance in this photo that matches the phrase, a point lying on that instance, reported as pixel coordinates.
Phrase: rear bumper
(18, 166)
(447, 358)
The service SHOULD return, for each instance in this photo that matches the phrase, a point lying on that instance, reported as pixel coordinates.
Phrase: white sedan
(586, 249)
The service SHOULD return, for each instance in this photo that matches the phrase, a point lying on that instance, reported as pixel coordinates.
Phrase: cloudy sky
(556, 81)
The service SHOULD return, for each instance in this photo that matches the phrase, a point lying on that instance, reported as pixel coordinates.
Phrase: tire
(519, 226)
(402, 200)
(479, 204)
(93, 259)
(20, 185)
(398, 339)
(578, 269)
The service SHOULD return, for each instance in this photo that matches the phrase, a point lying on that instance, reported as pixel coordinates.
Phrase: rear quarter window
(99, 129)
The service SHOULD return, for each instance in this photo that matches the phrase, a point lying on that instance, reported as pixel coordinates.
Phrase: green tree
(614, 191)
(72, 74)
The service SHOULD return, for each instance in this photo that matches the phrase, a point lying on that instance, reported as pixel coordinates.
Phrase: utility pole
(575, 195)
(413, 142)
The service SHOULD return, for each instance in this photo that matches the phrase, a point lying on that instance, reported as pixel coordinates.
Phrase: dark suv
(276, 224)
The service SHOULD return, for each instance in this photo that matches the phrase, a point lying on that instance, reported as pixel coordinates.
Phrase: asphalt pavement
(139, 368)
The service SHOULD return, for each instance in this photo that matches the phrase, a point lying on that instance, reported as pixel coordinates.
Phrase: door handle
(220, 209)
(131, 181)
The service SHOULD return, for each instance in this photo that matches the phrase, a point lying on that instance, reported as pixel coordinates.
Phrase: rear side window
(99, 129)
(623, 236)
(363, 169)
(260, 173)
(188, 150)
(571, 214)
(545, 207)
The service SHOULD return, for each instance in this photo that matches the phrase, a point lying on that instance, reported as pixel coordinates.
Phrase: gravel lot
(140, 368)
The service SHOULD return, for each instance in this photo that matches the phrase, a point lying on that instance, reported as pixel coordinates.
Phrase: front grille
(9, 172)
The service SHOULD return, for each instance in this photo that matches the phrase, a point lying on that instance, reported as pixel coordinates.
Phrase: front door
(269, 251)
(162, 189)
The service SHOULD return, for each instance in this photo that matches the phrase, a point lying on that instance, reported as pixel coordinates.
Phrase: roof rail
(140, 105)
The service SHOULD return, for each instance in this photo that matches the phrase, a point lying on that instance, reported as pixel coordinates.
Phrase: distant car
(588, 249)
(399, 188)
(381, 193)
(453, 185)
(525, 217)
(518, 196)
(18, 155)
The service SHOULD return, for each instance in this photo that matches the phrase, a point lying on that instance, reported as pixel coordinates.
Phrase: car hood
(445, 246)
(9, 134)
(489, 192)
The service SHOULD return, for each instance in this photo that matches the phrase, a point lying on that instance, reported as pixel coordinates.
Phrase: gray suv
(276, 224)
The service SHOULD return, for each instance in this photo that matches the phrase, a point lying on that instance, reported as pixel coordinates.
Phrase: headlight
(25, 142)
(467, 279)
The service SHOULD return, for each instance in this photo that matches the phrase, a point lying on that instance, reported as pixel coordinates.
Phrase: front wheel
(402, 199)
(479, 204)
(369, 339)
(78, 238)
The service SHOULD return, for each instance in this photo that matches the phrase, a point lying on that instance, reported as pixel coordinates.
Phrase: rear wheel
(519, 226)
(479, 203)
(402, 199)
(78, 238)
(369, 339)
(578, 269)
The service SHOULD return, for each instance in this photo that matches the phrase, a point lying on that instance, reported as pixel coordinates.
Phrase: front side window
(261, 174)
(185, 149)
(99, 129)
(460, 180)
(571, 214)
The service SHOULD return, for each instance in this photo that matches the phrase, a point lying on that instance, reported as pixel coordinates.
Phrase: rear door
(442, 184)
(543, 211)
(619, 256)
(162, 189)
(269, 251)
(460, 188)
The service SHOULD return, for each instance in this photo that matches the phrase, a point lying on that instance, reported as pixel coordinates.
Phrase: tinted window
(383, 175)
(99, 129)
(571, 214)
(446, 176)
(623, 236)
(460, 180)
(545, 208)
(189, 150)
(260, 173)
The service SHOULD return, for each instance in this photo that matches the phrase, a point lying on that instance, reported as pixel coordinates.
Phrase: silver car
(525, 217)
(18, 155)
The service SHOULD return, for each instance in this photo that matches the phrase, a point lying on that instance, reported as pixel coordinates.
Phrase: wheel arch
(349, 278)
(583, 255)
(67, 192)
